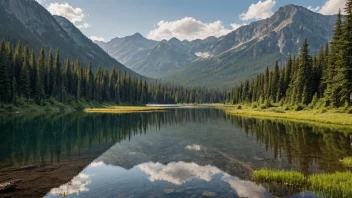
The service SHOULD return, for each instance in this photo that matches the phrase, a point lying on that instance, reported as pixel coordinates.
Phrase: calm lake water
(180, 152)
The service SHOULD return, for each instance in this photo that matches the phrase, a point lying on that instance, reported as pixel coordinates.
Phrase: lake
(179, 152)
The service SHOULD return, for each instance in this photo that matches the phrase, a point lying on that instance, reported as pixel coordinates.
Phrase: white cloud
(97, 164)
(187, 28)
(194, 147)
(75, 186)
(75, 15)
(179, 173)
(330, 7)
(260, 10)
(95, 38)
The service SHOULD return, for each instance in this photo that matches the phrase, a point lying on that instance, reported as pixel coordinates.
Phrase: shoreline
(330, 118)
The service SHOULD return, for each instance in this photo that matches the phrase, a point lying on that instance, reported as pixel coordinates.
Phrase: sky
(163, 19)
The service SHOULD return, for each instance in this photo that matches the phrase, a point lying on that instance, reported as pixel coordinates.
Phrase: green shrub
(239, 107)
(347, 161)
(298, 107)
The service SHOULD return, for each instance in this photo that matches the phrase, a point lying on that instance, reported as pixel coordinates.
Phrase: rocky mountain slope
(224, 61)
(150, 58)
(250, 49)
(28, 21)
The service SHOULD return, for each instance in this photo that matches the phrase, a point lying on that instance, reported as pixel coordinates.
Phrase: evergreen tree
(25, 85)
(330, 93)
(4, 75)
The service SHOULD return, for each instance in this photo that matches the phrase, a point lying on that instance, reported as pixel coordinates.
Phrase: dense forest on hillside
(318, 81)
(25, 76)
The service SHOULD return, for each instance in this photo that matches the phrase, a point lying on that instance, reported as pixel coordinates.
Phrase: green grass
(333, 185)
(123, 109)
(330, 116)
(25, 105)
(337, 184)
(347, 161)
(291, 178)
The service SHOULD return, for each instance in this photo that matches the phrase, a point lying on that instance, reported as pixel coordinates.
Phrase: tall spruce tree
(330, 93)
(4, 74)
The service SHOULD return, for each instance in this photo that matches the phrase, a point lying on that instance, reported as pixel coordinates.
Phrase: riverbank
(52, 105)
(124, 109)
(326, 117)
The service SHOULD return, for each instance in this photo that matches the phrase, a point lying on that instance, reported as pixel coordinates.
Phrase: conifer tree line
(27, 76)
(322, 80)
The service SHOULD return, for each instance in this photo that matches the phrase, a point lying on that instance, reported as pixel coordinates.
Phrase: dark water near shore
(192, 152)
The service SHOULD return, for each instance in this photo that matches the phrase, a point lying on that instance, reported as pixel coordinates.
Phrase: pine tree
(90, 81)
(4, 76)
(33, 72)
(58, 85)
(345, 73)
(42, 68)
(25, 85)
(17, 60)
(50, 74)
(330, 93)
(301, 83)
(275, 81)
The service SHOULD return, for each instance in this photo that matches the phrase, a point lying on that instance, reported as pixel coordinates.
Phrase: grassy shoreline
(310, 116)
(52, 105)
(124, 109)
(336, 184)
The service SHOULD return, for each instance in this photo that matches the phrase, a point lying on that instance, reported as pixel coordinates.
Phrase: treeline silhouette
(324, 80)
(27, 76)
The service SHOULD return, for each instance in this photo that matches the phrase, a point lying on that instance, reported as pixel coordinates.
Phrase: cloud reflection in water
(181, 172)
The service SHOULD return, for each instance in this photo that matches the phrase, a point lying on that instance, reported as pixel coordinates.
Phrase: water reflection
(176, 179)
(188, 150)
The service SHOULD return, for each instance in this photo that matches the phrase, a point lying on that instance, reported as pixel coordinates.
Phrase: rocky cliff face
(251, 48)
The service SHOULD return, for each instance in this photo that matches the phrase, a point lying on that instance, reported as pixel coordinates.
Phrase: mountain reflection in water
(176, 153)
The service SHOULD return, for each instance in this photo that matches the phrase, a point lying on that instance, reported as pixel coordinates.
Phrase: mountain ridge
(32, 24)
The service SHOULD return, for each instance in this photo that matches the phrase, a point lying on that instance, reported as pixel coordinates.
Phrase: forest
(27, 77)
(318, 81)
(324, 80)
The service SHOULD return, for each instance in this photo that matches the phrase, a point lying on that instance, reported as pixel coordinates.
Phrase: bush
(298, 107)
(349, 111)
(239, 107)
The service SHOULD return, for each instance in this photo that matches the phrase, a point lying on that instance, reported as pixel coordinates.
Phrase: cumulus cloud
(75, 186)
(330, 7)
(96, 38)
(75, 15)
(96, 164)
(194, 147)
(187, 28)
(179, 173)
(260, 10)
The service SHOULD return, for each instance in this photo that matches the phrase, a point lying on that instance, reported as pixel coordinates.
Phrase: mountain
(122, 49)
(28, 21)
(250, 49)
(147, 57)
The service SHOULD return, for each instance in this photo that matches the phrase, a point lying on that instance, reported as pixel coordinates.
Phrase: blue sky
(106, 19)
